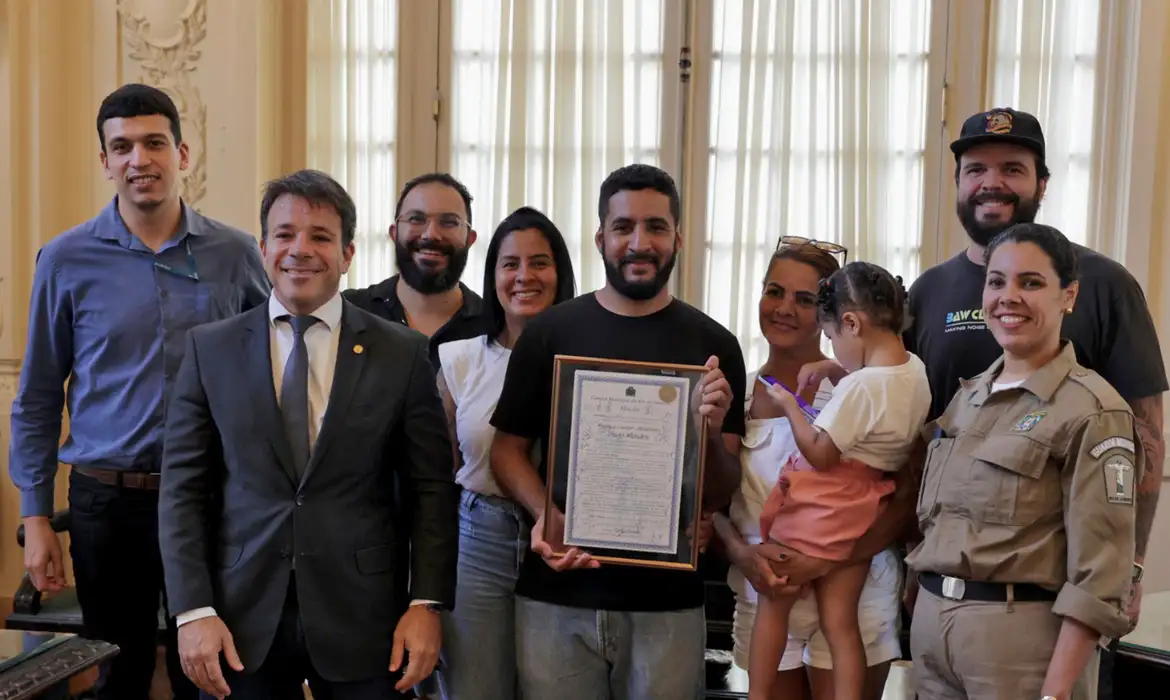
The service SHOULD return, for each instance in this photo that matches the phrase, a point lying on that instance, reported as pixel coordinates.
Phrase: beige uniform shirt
(1035, 484)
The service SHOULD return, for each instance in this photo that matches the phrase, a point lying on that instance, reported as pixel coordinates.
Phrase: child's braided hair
(867, 288)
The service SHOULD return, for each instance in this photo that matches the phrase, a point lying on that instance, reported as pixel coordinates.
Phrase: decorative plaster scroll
(168, 63)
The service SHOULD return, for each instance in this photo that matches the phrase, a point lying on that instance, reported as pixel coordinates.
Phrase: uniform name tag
(1104, 446)
(1119, 481)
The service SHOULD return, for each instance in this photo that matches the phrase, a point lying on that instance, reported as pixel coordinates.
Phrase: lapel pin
(358, 349)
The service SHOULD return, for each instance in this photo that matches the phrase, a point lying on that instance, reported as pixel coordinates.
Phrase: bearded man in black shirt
(1001, 177)
(589, 631)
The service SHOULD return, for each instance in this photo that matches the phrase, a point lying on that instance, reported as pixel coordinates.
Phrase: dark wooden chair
(33, 611)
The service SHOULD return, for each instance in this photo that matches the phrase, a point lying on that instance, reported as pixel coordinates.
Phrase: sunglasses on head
(826, 246)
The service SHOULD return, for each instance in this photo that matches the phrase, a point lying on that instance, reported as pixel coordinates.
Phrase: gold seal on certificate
(625, 466)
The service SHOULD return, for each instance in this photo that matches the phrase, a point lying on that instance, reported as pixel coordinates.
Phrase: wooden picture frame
(625, 463)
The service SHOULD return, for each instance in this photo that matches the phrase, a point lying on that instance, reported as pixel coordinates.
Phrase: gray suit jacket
(231, 515)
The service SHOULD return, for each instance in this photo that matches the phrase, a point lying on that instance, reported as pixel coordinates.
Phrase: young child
(835, 489)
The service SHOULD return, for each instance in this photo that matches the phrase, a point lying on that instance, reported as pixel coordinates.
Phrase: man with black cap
(1001, 177)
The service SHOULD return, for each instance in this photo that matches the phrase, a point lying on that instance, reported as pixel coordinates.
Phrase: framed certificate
(625, 462)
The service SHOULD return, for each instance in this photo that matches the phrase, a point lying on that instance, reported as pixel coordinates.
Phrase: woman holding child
(789, 321)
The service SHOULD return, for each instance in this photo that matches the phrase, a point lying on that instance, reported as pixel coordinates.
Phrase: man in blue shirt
(112, 301)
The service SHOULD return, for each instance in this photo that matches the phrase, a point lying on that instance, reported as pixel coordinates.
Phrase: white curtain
(1043, 56)
(817, 120)
(549, 97)
(352, 118)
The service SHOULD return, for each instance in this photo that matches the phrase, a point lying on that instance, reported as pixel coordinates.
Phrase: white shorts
(878, 614)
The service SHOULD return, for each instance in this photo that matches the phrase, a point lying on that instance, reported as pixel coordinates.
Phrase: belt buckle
(953, 588)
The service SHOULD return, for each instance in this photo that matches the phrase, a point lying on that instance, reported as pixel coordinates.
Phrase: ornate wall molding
(169, 62)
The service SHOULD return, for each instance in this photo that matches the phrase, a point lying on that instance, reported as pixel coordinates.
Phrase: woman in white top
(528, 269)
(788, 321)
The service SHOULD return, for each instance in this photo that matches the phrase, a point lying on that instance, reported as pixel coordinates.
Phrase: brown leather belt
(118, 477)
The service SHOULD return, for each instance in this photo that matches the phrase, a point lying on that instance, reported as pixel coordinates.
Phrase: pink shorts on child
(821, 513)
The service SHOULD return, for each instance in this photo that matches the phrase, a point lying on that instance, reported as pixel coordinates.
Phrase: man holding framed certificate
(624, 394)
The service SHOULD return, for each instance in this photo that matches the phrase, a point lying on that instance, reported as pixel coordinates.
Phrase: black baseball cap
(1001, 125)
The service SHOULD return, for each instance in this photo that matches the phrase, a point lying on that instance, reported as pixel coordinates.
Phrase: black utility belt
(953, 588)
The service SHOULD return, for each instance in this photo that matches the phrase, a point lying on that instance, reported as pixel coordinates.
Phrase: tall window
(810, 118)
(817, 129)
(548, 97)
(352, 119)
(1044, 61)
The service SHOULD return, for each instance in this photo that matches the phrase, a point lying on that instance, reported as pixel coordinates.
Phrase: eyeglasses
(826, 246)
(416, 221)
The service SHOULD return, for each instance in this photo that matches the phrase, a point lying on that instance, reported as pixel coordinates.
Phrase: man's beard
(424, 279)
(640, 290)
(1023, 212)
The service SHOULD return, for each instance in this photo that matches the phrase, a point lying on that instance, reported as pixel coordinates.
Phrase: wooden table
(40, 664)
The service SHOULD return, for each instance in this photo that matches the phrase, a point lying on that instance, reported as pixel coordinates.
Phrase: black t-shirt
(678, 334)
(1110, 327)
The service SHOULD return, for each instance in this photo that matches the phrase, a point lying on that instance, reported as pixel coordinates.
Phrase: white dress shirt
(321, 341)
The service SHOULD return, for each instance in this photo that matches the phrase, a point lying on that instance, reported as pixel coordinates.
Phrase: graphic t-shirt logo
(965, 320)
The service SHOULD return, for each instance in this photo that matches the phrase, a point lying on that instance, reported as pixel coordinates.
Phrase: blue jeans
(479, 635)
(584, 654)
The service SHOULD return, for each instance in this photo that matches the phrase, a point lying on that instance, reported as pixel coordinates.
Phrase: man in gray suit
(286, 429)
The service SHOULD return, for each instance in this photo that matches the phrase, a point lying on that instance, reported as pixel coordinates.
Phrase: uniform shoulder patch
(1113, 443)
(1119, 475)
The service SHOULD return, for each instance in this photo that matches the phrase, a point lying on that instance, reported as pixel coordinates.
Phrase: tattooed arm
(1148, 421)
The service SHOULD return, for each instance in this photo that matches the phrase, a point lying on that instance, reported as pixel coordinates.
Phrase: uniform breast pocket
(938, 454)
(1004, 483)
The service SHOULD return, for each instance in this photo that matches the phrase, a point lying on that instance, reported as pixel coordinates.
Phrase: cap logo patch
(999, 123)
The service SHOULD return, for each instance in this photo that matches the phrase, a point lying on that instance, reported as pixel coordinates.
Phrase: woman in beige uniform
(1026, 503)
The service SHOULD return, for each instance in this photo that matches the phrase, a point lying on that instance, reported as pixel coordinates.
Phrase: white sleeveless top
(474, 373)
(766, 446)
